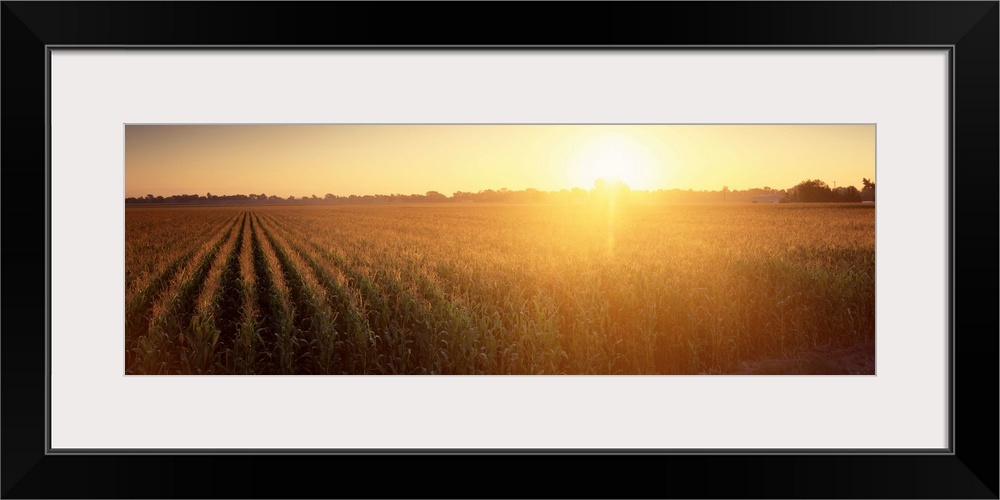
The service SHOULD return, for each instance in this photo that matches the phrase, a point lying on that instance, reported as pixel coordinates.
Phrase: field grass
(497, 289)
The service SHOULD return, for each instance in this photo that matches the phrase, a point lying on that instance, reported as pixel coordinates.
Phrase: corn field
(494, 289)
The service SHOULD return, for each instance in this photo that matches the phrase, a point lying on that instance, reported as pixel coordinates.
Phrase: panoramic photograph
(499, 249)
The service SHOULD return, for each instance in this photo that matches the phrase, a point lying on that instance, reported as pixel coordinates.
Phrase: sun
(613, 156)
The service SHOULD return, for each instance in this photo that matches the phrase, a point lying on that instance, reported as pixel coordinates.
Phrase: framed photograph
(360, 247)
(613, 278)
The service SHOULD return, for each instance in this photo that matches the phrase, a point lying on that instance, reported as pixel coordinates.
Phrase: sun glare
(612, 157)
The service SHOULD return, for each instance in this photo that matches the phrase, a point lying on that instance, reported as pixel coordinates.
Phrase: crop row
(495, 290)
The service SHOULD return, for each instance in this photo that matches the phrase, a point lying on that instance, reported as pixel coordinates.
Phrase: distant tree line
(807, 191)
(813, 191)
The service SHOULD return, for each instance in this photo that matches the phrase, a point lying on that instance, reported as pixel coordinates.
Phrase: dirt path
(858, 359)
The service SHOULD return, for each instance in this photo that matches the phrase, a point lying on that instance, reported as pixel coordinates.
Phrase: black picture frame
(968, 470)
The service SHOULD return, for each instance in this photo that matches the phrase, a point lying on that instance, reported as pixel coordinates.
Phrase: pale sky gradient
(303, 160)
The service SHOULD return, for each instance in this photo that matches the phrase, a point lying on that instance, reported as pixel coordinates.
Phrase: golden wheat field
(500, 289)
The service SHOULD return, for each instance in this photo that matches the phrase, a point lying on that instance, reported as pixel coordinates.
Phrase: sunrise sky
(303, 160)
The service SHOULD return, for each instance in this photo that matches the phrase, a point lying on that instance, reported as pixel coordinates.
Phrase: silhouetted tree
(868, 191)
(849, 194)
(462, 196)
(812, 191)
(487, 195)
(435, 196)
